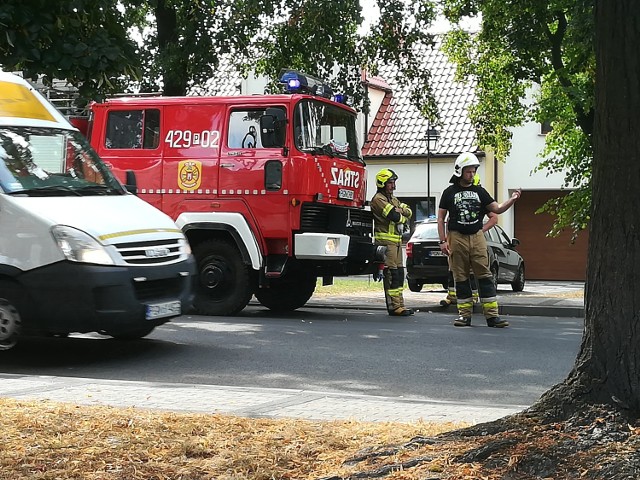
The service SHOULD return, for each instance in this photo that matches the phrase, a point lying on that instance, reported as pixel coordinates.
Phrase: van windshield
(52, 162)
(321, 128)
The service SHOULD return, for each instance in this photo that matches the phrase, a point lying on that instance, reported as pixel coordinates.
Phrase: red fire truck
(269, 189)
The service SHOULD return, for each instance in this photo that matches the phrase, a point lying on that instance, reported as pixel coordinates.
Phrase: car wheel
(518, 284)
(414, 286)
(10, 320)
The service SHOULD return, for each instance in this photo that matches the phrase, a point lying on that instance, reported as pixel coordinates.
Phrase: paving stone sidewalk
(245, 401)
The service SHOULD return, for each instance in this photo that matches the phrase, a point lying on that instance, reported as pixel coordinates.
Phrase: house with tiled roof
(397, 137)
(400, 137)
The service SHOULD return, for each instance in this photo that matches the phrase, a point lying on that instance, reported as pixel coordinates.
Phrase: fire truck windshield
(52, 162)
(322, 128)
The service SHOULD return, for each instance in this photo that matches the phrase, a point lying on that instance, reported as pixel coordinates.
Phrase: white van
(78, 253)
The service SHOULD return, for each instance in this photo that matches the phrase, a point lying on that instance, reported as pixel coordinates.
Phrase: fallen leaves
(47, 441)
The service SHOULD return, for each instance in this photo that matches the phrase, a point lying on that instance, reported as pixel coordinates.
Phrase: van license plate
(345, 194)
(160, 310)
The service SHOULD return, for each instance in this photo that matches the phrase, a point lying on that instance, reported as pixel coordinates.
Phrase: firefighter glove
(378, 275)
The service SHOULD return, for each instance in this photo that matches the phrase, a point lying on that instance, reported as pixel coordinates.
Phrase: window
(504, 238)
(133, 129)
(424, 209)
(545, 127)
(493, 235)
(320, 127)
(244, 129)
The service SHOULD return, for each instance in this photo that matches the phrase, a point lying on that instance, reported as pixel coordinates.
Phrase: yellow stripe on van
(138, 232)
(17, 101)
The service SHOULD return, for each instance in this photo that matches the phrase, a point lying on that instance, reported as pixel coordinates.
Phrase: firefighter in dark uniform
(463, 206)
(391, 218)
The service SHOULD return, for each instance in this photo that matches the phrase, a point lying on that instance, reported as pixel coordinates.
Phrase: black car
(426, 264)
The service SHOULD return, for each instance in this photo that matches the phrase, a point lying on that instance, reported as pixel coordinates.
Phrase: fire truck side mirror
(272, 128)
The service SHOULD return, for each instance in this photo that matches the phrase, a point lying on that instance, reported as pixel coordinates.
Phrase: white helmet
(466, 159)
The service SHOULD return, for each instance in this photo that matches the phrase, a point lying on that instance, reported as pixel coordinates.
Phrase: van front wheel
(10, 320)
(223, 286)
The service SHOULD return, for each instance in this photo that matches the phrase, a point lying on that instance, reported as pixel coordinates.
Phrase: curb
(512, 309)
(542, 311)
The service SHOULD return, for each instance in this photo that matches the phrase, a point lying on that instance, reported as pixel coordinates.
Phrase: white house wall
(518, 169)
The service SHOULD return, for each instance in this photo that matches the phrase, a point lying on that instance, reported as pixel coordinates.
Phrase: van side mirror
(272, 128)
(131, 184)
(515, 242)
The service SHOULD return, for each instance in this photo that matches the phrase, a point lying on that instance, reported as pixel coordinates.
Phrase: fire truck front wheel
(288, 294)
(223, 286)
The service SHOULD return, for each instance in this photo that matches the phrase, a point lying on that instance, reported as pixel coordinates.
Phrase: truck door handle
(227, 165)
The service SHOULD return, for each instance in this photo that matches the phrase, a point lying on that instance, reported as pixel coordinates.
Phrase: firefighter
(391, 219)
(466, 205)
(451, 291)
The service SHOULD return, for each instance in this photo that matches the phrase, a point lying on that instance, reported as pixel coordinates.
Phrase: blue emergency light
(297, 82)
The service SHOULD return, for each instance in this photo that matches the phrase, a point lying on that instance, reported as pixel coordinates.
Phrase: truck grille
(322, 218)
(155, 252)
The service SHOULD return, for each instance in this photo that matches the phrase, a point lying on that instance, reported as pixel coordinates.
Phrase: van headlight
(77, 246)
(186, 246)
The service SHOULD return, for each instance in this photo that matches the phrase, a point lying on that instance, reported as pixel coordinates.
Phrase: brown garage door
(547, 258)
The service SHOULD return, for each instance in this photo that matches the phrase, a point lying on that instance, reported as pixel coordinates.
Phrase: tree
(174, 46)
(552, 43)
(82, 41)
(523, 43)
(608, 365)
(183, 42)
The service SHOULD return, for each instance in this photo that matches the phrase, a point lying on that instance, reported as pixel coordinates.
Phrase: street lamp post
(433, 135)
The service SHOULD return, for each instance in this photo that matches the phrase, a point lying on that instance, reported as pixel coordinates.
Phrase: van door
(255, 172)
(191, 136)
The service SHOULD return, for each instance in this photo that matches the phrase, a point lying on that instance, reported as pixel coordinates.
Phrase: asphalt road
(346, 351)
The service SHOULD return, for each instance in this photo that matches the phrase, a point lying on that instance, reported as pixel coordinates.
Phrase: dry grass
(46, 440)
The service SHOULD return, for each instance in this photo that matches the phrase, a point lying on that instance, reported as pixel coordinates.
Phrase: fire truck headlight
(78, 246)
(331, 247)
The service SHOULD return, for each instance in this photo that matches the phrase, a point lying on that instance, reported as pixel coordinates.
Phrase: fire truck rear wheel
(10, 320)
(287, 295)
(223, 286)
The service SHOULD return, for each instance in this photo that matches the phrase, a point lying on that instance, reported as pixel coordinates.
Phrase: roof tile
(399, 129)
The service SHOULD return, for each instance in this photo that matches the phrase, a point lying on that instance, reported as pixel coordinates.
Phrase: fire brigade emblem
(189, 174)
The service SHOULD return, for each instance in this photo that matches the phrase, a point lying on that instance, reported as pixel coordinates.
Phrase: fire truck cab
(269, 189)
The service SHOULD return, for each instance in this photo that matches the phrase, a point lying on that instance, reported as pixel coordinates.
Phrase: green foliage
(534, 45)
(321, 38)
(83, 41)
(174, 46)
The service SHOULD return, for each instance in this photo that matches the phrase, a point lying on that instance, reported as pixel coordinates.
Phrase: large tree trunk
(171, 59)
(607, 369)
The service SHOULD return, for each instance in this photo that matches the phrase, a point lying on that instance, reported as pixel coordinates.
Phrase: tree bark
(171, 60)
(607, 369)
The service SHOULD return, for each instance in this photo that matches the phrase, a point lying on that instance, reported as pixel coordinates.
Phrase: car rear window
(426, 231)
